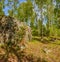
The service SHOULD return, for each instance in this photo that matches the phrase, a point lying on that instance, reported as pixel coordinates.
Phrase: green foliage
(43, 16)
(1, 7)
(25, 11)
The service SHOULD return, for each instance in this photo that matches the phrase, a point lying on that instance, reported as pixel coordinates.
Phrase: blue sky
(7, 8)
(22, 0)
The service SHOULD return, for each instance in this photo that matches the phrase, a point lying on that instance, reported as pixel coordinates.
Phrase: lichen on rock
(9, 29)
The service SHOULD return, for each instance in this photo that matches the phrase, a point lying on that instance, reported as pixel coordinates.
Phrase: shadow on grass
(47, 40)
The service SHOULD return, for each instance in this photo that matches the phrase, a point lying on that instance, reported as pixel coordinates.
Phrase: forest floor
(49, 52)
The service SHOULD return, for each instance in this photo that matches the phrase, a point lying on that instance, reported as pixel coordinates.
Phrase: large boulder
(8, 29)
(13, 36)
(14, 33)
(13, 30)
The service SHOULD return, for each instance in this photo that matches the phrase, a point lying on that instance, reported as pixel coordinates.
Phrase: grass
(50, 51)
(57, 42)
